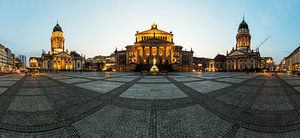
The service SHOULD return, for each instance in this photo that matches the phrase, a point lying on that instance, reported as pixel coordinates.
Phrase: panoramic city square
(149, 69)
(91, 104)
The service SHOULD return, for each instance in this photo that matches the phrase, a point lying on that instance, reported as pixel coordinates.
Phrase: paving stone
(112, 121)
(232, 80)
(153, 91)
(55, 90)
(183, 79)
(30, 104)
(296, 98)
(245, 133)
(210, 77)
(288, 76)
(95, 78)
(2, 90)
(297, 88)
(122, 79)
(272, 83)
(192, 121)
(247, 89)
(11, 79)
(100, 86)
(206, 86)
(154, 79)
(151, 107)
(176, 76)
(272, 103)
(31, 84)
(245, 77)
(64, 98)
(47, 83)
(58, 77)
(30, 91)
(7, 76)
(28, 119)
(257, 82)
(238, 98)
(272, 91)
(62, 132)
(31, 78)
(293, 82)
(74, 80)
(5, 83)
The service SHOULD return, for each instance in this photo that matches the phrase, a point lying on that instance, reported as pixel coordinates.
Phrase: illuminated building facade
(291, 63)
(7, 59)
(59, 58)
(3, 58)
(217, 64)
(242, 57)
(267, 63)
(101, 63)
(200, 63)
(150, 44)
(35, 63)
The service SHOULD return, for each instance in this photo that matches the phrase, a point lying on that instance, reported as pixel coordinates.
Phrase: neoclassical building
(58, 58)
(150, 44)
(242, 57)
(291, 63)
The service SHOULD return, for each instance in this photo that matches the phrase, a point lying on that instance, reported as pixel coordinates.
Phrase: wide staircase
(161, 67)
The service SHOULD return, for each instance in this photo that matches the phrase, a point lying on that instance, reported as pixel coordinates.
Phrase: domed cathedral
(243, 37)
(57, 40)
(57, 58)
(242, 58)
(150, 45)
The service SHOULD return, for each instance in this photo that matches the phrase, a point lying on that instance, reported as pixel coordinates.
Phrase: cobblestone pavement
(91, 104)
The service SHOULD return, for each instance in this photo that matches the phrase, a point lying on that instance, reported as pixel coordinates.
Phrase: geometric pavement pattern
(93, 104)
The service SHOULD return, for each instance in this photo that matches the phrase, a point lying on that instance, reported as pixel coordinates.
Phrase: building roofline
(297, 49)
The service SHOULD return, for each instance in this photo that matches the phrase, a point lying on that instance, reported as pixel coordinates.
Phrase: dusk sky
(97, 27)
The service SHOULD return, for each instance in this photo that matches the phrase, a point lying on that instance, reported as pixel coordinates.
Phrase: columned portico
(242, 58)
(154, 43)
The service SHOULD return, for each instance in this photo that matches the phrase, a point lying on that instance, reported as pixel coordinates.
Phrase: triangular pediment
(63, 54)
(236, 53)
(156, 31)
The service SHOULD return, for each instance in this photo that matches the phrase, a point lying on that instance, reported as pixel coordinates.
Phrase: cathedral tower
(243, 37)
(57, 40)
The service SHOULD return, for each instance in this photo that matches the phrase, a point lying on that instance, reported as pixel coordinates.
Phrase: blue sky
(97, 27)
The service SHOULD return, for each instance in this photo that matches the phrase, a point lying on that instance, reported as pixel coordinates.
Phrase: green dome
(243, 25)
(57, 28)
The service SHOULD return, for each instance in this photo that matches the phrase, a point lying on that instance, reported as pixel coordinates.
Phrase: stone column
(143, 55)
(138, 58)
(157, 54)
(165, 54)
(150, 56)
(170, 56)
(235, 64)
